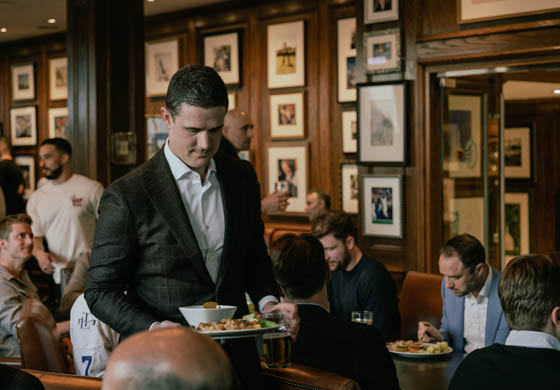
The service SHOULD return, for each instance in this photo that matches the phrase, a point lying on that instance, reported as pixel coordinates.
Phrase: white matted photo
(156, 134)
(27, 166)
(517, 152)
(58, 122)
(23, 82)
(383, 51)
(232, 101)
(58, 78)
(382, 123)
(469, 11)
(287, 165)
(376, 11)
(287, 116)
(221, 52)
(516, 235)
(23, 126)
(350, 188)
(349, 132)
(382, 206)
(162, 61)
(286, 55)
(347, 60)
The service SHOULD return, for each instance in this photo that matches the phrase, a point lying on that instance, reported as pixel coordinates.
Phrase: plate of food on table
(418, 349)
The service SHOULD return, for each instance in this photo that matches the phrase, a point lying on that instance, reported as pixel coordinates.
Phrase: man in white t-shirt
(92, 340)
(64, 210)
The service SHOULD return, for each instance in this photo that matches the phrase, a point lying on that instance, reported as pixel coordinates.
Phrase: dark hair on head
(298, 264)
(469, 250)
(197, 86)
(529, 289)
(9, 220)
(60, 144)
(337, 222)
(4, 140)
(322, 195)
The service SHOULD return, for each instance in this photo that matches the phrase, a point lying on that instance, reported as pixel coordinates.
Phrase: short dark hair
(298, 264)
(4, 140)
(529, 289)
(60, 144)
(198, 86)
(7, 222)
(322, 195)
(469, 250)
(337, 222)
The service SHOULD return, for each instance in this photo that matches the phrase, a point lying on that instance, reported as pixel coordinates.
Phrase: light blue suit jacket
(452, 320)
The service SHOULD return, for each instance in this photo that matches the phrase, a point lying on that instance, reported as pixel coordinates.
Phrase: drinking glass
(357, 316)
(277, 345)
(367, 317)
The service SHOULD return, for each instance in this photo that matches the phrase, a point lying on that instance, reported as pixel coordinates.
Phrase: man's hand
(45, 261)
(165, 324)
(275, 201)
(291, 317)
(428, 333)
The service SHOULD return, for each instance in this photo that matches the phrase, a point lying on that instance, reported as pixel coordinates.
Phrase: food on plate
(419, 347)
(210, 305)
(235, 324)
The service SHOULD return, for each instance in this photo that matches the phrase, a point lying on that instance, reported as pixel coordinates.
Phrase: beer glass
(281, 186)
(363, 317)
(277, 345)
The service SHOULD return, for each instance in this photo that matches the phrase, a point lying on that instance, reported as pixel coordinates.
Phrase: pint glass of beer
(277, 345)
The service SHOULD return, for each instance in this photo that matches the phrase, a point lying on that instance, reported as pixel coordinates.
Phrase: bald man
(236, 136)
(172, 358)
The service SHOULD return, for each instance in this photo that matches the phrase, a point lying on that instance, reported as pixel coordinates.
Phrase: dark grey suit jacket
(144, 244)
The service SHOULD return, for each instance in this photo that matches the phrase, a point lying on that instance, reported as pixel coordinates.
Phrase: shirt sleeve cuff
(265, 300)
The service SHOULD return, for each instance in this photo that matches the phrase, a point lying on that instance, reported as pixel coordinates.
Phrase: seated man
(172, 358)
(16, 246)
(530, 294)
(472, 314)
(358, 282)
(92, 340)
(350, 349)
(316, 203)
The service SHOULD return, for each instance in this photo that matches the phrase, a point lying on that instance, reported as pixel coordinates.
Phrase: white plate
(218, 334)
(421, 355)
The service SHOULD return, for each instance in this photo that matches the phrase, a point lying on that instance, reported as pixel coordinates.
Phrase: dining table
(426, 372)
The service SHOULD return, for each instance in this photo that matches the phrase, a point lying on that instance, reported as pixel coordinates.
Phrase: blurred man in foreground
(353, 350)
(177, 359)
(530, 294)
(316, 203)
(472, 315)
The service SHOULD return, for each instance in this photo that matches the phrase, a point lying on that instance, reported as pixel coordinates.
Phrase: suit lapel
(493, 311)
(162, 190)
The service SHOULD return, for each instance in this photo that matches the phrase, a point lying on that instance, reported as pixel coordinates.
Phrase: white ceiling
(28, 18)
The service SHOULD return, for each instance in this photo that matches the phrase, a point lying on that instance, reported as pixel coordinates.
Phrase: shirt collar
(178, 167)
(486, 287)
(532, 339)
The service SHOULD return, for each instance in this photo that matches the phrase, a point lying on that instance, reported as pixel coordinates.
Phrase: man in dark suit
(184, 228)
(324, 341)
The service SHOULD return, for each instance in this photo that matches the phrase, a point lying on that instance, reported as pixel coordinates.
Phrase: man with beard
(358, 282)
(472, 314)
(64, 211)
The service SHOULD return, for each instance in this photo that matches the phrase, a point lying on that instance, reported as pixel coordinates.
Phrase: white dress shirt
(474, 329)
(532, 339)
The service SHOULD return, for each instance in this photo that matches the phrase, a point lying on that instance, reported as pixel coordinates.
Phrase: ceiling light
(3, 29)
(556, 91)
(151, 1)
(51, 21)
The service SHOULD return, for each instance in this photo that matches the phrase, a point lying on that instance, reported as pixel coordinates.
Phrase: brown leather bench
(55, 381)
(299, 376)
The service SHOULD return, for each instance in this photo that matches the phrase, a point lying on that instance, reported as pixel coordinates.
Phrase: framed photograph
(24, 126)
(286, 55)
(162, 61)
(349, 132)
(469, 11)
(462, 136)
(27, 166)
(156, 134)
(382, 123)
(221, 52)
(349, 183)
(467, 216)
(287, 164)
(516, 235)
(23, 82)
(517, 152)
(382, 206)
(287, 118)
(347, 60)
(232, 101)
(58, 122)
(58, 78)
(383, 51)
(376, 11)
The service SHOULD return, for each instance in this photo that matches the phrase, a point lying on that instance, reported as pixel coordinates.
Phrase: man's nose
(448, 283)
(203, 140)
(327, 256)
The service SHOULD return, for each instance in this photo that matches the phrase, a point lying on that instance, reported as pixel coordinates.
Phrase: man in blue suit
(472, 314)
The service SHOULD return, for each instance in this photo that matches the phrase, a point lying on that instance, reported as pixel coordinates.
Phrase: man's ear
(555, 316)
(166, 117)
(349, 242)
(3, 243)
(64, 158)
